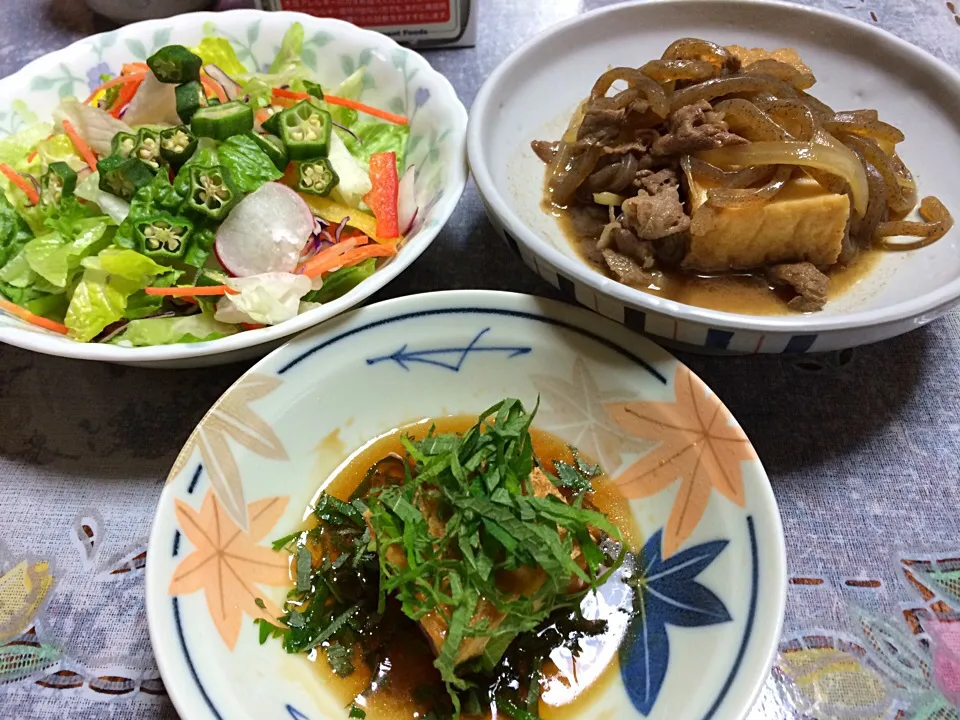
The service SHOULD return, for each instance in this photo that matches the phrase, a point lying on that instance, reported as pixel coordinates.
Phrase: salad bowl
(707, 526)
(396, 82)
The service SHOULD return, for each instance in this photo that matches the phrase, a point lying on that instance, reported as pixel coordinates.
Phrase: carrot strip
(312, 268)
(368, 109)
(88, 156)
(21, 182)
(28, 316)
(119, 80)
(252, 326)
(290, 94)
(212, 86)
(284, 94)
(190, 291)
(123, 98)
(134, 67)
(262, 115)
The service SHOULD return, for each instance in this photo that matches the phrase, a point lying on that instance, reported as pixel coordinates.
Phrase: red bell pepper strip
(384, 197)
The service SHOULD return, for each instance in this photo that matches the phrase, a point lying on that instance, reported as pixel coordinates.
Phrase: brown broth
(407, 678)
(741, 292)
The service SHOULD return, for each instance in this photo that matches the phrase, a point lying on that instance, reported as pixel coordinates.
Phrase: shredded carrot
(262, 115)
(124, 97)
(290, 94)
(88, 156)
(21, 182)
(282, 94)
(252, 326)
(195, 291)
(368, 109)
(119, 80)
(134, 67)
(318, 266)
(212, 86)
(25, 314)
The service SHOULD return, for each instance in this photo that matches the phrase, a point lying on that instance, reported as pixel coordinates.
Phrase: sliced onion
(407, 200)
(266, 232)
(937, 222)
(750, 122)
(718, 87)
(836, 160)
(608, 198)
(750, 197)
(230, 86)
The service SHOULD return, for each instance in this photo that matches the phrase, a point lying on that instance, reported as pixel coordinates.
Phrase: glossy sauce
(406, 681)
(742, 292)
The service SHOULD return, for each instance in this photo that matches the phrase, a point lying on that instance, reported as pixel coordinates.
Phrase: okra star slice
(316, 177)
(177, 144)
(148, 147)
(212, 191)
(123, 176)
(123, 144)
(305, 130)
(163, 237)
(59, 182)
(175, 64)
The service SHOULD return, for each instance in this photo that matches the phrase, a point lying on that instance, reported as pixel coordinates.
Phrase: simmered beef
(810, 284)
(545, 150)
(694, 128)
(656, 216)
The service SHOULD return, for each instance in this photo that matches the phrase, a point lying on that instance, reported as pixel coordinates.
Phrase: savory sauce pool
(744, 293)
(406, 685)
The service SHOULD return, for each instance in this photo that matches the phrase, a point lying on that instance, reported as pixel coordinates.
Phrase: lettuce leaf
(15, 148)
(169, 330)
(14, 231)
(378, 137)
(95, 126)
(350, 89)
(250, 166)
(155, 103)
(270, 298)
(354, 177)
(340, 282)
(56, 257)
(101, 296)
(218, 51)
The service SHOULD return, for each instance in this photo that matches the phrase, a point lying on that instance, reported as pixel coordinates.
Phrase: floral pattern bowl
(711, 575)
(397, 79)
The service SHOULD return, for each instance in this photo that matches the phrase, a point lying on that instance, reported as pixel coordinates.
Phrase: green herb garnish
(435, 533)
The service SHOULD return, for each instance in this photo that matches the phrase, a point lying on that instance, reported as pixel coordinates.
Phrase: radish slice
(407, 201)
(266, 232)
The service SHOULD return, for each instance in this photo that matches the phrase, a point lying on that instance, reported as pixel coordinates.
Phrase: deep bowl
(532, 94)
(401, 80)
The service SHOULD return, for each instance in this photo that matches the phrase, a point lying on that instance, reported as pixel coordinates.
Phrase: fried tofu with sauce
(803, 223)
(524, 581)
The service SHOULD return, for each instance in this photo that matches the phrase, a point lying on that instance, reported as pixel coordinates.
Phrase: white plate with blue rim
(706, 589)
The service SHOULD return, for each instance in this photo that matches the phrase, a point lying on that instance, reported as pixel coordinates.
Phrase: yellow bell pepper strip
(383, 199)
(334, 213)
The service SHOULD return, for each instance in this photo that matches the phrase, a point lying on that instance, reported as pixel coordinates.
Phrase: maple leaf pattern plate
(707, 579)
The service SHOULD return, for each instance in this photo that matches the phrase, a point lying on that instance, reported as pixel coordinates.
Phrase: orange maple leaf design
(228, 564)
(698, 445)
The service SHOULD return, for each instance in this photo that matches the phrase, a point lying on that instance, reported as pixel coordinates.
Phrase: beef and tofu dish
(714, 167)
(461, 568)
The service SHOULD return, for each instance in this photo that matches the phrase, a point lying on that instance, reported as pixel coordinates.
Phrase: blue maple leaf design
(665, 593)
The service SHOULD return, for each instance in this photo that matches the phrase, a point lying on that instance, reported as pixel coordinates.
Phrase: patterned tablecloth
(862, 448)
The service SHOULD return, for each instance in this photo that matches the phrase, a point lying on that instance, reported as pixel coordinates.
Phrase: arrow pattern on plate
(449, 358)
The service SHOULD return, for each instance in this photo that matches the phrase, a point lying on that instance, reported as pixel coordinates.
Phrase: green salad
(189, 198)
